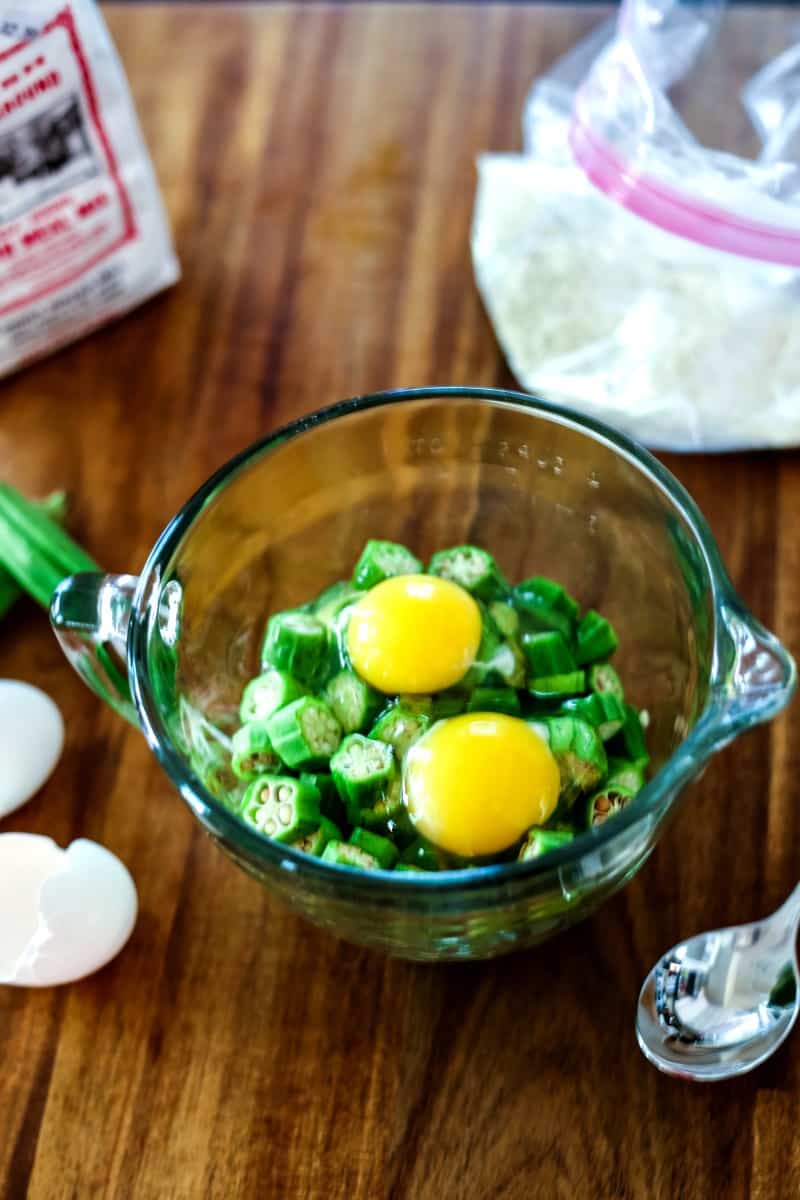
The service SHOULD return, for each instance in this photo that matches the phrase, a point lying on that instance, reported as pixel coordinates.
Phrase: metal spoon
(721, 1003)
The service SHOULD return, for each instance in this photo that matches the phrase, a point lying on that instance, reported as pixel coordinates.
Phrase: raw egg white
(414, 633)
(31, 740)
(475, 783)
(63, 913)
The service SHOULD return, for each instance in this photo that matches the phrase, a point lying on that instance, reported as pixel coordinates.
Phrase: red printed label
(63, 206)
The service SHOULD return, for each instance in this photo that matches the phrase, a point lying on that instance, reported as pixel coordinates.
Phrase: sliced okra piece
(601, 709)
(542, 607)
(629, 742)
(473, 569)
(541, 841)
(315, 842)
(399, 728)
(595, 638)
(281, 806)
(501, 700)
(218, 778)
(305, 733)
(362, 769)
(296, 642)
(379, 847)
(606, 803)
(449, 704)
(268, 692)
(342, 854)
(547, 654)
(579, 753)
(550, 686)
(253, 753)
(388, 813)
(422, 853)
(602, 677)
(508, 664)
(330, 802)
(332, 609)
(383, 560)
(627, 774)
(353, 701)
(332, 602)
(546, 593)
(417, 704)
(505, 618)
(482, 671)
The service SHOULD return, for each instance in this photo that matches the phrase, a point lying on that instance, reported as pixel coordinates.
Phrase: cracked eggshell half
(63, 913)
(31, 740)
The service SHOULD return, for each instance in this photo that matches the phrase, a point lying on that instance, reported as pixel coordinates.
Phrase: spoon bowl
(722, 1002)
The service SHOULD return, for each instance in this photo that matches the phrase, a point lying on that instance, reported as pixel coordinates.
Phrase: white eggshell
(31, 740)
(63, 913)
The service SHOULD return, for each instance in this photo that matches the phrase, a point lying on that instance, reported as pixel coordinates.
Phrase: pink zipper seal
(664, 206)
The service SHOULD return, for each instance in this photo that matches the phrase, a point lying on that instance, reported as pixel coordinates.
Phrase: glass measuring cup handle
(90, 614)
(760, 675)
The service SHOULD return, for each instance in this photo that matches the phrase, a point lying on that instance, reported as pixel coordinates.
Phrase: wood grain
(318, 166)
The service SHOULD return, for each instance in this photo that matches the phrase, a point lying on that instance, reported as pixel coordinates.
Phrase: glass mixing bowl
(548, 493)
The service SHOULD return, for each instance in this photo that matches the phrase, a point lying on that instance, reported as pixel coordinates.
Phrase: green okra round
(601, 709)
(602, 677)
(606, 803)
(449, 704)
(541, 841)
(416, 704)
(547, 654)
(305, 734)
(579, 753)
(629, 743)
(543, 605)
(506, 666)
(501, 700)
(296, 642)
(363, 770)
(381, 848)
(383, 560)
(399, 727)
(595, 638)
(505, 617)
(473, 569)
(483, 671)
(342, 854)
(282, 807)
(387, 813)
(253, 752)
(331, 603)
(628, 774)
(551, 686)
(544, 593)
(315, 842)
(330, 802)
(268, 692)
(354, 703)
(423, 854)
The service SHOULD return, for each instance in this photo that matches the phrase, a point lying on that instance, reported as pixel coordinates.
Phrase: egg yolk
(474, 784)
(414, 633)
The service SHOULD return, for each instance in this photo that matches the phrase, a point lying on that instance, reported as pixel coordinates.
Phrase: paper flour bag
(83, 234)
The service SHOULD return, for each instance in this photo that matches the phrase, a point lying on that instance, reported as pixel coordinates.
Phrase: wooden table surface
(318, 167)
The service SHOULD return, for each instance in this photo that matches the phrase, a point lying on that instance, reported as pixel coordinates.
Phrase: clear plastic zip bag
(635, 274)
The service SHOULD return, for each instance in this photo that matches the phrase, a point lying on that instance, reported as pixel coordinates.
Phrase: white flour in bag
(83, 234)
